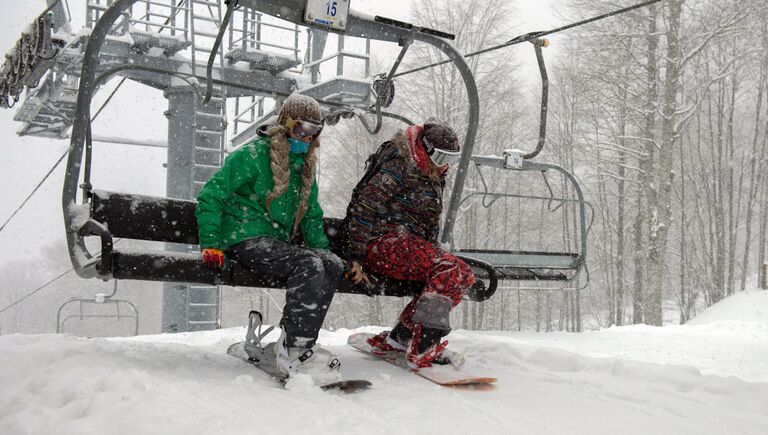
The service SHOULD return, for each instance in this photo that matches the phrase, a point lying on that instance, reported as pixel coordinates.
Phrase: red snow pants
(408, 257)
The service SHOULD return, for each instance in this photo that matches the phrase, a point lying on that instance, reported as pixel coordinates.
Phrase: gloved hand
(357, 275)
(213, 258)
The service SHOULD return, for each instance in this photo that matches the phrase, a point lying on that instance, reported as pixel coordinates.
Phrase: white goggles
(439, 156)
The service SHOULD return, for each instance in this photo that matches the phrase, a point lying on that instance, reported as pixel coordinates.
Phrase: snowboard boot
(395, 340)
(321, 365)
(425, 349)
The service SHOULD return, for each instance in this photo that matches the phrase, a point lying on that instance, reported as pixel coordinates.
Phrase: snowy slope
(747, 306)
(696, 379)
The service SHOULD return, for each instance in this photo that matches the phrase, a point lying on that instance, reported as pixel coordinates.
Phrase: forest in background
(660, 113)
(666, 108)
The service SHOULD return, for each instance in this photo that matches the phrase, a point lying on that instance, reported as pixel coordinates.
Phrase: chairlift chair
(563, 265)
(110, 215)
(99, 300)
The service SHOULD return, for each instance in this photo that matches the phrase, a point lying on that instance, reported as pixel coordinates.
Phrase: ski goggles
(304, 129)
(439, 156)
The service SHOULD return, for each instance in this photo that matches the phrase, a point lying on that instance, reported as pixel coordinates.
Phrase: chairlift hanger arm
(231, 6)
(405, 43)
(538, 44)
(75, 244)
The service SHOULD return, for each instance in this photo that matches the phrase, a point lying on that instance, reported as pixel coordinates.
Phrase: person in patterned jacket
(392, 226)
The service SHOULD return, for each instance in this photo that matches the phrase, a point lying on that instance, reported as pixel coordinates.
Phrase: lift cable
(98, 112)
(35, 190)
(58, 162)
(527, 37)
(28, 295)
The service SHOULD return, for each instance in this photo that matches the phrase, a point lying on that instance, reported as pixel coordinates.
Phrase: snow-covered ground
(709, 377)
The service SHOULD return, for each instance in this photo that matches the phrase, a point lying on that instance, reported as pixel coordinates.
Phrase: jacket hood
(409, 145)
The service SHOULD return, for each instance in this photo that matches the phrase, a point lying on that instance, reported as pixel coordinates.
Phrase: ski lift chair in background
(550, 240)
(99, 300)
(559, 194)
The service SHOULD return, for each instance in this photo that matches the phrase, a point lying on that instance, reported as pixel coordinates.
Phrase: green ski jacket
(232, 206)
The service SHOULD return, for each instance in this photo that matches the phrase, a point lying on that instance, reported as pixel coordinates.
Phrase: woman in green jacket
(250, 211)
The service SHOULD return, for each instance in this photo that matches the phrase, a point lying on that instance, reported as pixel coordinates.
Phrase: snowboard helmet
(441, 143)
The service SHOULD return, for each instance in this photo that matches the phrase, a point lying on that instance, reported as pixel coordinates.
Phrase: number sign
(327, 13)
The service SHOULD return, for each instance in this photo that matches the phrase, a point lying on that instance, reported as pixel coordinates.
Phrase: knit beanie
(302, 107)
(440, 135)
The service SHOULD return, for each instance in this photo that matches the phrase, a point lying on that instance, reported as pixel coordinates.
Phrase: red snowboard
(442, 375)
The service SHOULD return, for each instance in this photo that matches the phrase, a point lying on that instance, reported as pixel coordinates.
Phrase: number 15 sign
(328, 13)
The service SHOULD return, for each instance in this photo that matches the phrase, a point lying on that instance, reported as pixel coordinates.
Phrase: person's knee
(466, 275)
(326, 266)
(333, 266)
(432, 310)
(309, 264)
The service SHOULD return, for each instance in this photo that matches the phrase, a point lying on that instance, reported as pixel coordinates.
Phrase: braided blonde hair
(280, 165)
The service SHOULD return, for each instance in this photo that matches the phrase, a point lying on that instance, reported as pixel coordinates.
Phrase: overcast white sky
(27, 159)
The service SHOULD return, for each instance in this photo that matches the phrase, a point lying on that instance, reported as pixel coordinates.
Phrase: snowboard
(445, 375)
(266, 362)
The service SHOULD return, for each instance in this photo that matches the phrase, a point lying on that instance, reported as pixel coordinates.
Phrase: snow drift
(705, 378)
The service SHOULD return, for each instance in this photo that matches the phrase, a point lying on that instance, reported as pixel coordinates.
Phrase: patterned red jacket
(399, 198)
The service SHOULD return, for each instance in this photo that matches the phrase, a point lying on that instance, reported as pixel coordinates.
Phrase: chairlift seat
(527, 265)
(139, 217)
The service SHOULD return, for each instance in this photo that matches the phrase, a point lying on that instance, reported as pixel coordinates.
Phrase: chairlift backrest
(139, 217)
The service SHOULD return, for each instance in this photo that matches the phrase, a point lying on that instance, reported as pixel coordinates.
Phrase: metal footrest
(262, 60)
(146, 40)
(341, 90)
(41, 118)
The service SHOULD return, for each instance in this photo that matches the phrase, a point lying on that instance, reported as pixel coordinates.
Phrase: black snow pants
(312, 277)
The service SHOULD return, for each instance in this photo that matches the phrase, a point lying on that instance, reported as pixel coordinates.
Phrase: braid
(307, 179)
(434, 174)
(278, 161)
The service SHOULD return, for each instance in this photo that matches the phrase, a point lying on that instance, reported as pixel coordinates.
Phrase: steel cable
(534, 35)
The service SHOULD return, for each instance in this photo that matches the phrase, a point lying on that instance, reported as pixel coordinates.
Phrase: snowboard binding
(254, 336)
(262, 355)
